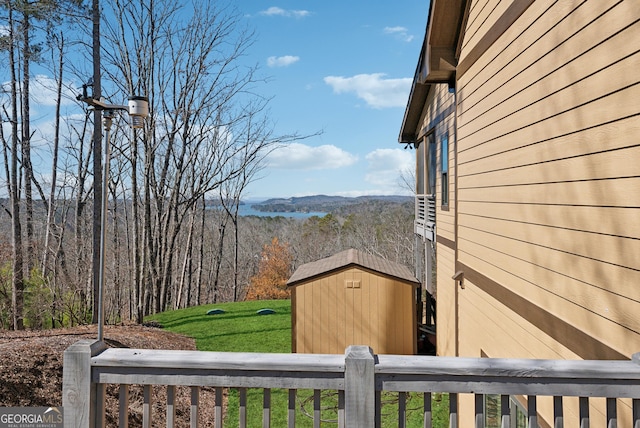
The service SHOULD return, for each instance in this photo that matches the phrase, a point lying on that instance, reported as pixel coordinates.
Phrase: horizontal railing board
(497, 385)
(516, 368)
(223, 378)
(247, 361)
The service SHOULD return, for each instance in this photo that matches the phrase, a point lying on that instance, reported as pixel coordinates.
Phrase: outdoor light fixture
(138, 109)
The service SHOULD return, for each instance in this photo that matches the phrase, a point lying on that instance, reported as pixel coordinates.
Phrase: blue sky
(345, 69)
(339, 68)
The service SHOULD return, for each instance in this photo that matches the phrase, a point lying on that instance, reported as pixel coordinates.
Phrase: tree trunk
(17, 289)
(54, 166)
(27, 168)
(97, 160)
(185, 274)
(201, 253)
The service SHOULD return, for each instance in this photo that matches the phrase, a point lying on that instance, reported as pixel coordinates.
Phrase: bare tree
(201, 98)
(13, 173)
(51, 205)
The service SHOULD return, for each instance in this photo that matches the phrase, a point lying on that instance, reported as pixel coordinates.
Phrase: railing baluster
(479, 409)
(218, 414)
(612, 413)
(242, 417)
(101, 395)
(558, 412)
(427, 417)
(171, 406)
(453, 410)
(195, 402)
(341, 423)
(266, 408)
(636, 412)
(505, 411)
(402, 409)
(292, 409)
(584, 412)
(378, 406)
(147, 407)
(123, 406)
(317, 416)
(532, 410)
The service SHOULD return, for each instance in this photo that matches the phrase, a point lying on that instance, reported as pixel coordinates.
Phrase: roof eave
(437, 62)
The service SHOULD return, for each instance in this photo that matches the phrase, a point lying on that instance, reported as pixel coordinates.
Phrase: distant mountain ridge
(323, 203)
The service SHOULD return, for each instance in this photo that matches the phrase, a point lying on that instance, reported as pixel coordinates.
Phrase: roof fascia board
(436, 63)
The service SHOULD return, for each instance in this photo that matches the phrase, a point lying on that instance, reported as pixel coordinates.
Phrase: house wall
(329, 316)
(548, 181)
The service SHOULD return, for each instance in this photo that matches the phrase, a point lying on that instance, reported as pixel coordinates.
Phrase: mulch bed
(31, 371)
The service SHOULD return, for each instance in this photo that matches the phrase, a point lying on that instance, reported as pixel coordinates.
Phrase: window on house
(431, 163)
(420, 170)
(444, 168)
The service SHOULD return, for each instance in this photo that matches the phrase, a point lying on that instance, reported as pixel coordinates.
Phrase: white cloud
(384, 166)
(278, 11)
(303, 157)
(43, 91)
(282, 61)
(401, 33)
(377, 91)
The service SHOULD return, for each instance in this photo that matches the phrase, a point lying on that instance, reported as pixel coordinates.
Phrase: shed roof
(351, 257)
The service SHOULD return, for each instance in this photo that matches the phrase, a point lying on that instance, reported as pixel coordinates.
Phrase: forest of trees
(169, 246)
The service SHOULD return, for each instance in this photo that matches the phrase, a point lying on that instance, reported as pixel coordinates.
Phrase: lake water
(247, 209)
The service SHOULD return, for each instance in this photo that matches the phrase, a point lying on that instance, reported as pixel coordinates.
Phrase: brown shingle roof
(349, 258)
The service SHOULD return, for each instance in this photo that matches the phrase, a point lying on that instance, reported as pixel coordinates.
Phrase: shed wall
(329, 316)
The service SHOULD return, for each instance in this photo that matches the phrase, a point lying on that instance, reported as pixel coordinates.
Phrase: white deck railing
(359, 377)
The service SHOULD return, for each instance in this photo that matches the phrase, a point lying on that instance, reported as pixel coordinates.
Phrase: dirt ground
(31, 370)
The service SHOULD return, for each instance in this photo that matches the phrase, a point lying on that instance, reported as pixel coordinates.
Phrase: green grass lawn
(241, 329)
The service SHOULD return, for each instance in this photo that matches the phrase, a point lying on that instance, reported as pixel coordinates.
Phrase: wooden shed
(353, 298)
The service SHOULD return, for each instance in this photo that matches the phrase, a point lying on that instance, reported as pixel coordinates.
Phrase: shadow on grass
(186, 320)
(246, 332)
(206, 320)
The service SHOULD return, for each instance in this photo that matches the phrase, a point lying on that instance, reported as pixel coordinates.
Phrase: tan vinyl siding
(446, 225)
(482, 16)
(436, 110)
(612, 221)
(570, 300)
(430, 109)
(539, 44)
(514, 337)
(548, 177)
(446, 290)
(574, 152)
